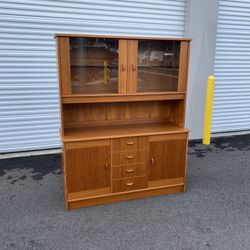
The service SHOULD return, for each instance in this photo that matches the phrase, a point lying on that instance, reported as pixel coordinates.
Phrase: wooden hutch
(123, 103)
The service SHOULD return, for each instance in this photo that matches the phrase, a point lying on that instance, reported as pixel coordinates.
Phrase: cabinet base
(117, 197)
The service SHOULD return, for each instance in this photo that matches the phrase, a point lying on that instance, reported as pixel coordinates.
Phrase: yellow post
(208, 110)
(105, 71)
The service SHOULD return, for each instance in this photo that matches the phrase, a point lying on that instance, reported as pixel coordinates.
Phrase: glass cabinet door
(158, 65)
(94, 65)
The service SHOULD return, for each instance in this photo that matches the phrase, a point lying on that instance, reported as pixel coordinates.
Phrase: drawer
(127, 184)
(130, 170)
(129, 143)
(130, 157)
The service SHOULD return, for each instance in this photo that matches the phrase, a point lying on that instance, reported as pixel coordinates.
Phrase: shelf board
(166, 182)
(93, 65)
(121, 130)
(99, 98)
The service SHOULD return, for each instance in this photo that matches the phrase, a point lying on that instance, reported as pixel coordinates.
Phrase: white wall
(201, 26)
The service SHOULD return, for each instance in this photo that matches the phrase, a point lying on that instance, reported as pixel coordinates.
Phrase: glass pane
(94, 65)
(158, 66)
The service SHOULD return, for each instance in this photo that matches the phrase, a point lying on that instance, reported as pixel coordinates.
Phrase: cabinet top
(124, 37)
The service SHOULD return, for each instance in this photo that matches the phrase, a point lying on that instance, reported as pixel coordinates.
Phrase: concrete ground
(214, 213)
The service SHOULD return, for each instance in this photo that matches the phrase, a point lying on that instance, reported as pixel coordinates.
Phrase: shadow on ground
(214, 213)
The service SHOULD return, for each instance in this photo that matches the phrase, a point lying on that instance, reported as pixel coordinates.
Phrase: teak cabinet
(123, 103)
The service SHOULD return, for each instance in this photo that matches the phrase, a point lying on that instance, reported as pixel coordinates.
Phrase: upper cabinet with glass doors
(94, 65)
(98, 65)
(158, 66)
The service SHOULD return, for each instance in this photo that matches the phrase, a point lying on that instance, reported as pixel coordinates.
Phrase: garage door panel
(29, 100)
(232, 67)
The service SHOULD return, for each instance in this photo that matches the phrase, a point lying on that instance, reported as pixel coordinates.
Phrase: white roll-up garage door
(232, 67)
(29, 103)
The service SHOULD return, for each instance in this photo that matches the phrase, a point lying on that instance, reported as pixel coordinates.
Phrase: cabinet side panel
(64, 60)
(60, 86)
(186, 159)
(63, 165)
(177, 113)
(187, 74)
(182, 82)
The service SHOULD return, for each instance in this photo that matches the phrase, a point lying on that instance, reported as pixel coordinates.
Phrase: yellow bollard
(105, 71)
(208, 110)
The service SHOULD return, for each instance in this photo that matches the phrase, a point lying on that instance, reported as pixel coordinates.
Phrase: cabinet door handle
(130, 157)
(129, 183)
(123, 67)
(130, 143)
(106, 165)
(130, 170)
(152, 161)
(133, 67)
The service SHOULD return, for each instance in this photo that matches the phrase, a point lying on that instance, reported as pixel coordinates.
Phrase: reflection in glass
(158, 65)
(94, 65)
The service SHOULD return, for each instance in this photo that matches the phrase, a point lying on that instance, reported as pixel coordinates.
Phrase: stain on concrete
(233, 143)
(229, 144)
(12, 197)
(39, 166)
(16, 169)
(13, 182)
(23, 177)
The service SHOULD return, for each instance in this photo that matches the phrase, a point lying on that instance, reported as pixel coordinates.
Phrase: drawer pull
(130, 143)
(153, 161)
(130, 157)
(123, 67)
(130, 170)
(129, 183)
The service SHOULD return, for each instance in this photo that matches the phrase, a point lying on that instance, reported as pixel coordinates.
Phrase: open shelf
(105, 192)
(88, 193)
(121, 130)
(166, 182)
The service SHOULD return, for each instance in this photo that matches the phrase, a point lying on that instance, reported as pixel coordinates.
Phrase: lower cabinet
(111, 168)
(87, 165)
(167, 156)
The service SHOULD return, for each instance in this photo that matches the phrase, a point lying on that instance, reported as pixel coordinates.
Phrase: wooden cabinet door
(87, 165)
(167, 156)
(132, 66)
(92, 65)
(157, 66)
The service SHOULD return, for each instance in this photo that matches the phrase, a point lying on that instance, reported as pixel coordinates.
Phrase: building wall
(201, 26)
(29, 100)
